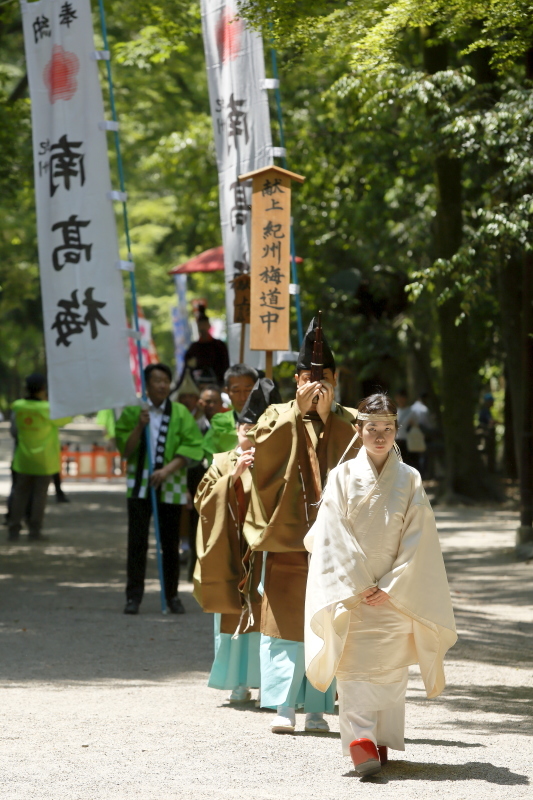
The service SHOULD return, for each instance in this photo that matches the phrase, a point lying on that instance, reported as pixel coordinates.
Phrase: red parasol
(209, 261)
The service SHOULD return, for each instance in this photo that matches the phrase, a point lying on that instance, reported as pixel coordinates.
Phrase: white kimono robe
(380, 531)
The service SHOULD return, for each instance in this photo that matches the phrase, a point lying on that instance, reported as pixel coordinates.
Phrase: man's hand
(136, 434)
(159, 476)
(305, 395)
(244, 461)
(325, 399)
(144, 418)
(374, 596)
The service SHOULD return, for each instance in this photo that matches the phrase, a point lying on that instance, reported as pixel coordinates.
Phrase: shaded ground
(98, 705)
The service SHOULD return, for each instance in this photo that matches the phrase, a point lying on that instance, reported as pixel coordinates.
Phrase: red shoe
(365, 757)
(383, 753)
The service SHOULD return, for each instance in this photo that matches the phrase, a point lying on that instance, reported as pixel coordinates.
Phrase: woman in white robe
(377, 595)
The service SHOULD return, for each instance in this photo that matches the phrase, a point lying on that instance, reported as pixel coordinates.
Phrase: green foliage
(364, 124)
(375, 31)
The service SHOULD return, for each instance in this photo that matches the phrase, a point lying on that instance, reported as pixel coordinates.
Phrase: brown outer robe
(221, 546)
(292, 460)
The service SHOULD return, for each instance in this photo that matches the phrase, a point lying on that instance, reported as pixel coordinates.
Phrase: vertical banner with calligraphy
(180, 324)
(82, 293)
(241, 122)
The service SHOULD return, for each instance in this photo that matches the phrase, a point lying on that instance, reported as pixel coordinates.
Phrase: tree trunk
(465, 474)
(510, 298)
(525, 532)
(524, 535)
(510, 467)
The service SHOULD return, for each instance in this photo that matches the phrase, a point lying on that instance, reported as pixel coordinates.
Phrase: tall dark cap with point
(305, 357)
(260, 398)
(201, 315)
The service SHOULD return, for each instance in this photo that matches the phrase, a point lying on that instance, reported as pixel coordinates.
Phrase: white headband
(376, 417)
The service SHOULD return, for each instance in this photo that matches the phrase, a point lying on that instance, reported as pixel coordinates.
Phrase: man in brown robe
(227, 573)
(296, 444)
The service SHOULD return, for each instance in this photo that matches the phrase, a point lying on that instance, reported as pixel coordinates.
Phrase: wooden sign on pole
(270, 259)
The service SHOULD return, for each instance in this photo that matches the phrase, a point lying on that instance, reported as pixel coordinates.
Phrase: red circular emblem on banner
(228, 35)
(28, 420)
(60, 73)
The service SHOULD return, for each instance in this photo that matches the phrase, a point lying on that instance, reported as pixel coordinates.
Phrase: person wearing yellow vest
(37, 457)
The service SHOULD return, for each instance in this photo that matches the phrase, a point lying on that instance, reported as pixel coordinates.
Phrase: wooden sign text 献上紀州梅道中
(270, 257)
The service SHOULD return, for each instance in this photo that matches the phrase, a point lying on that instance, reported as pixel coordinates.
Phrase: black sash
(159, 449)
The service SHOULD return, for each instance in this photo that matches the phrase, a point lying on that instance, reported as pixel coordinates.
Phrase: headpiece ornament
(305, 357)
(378, 417)
(260, 398)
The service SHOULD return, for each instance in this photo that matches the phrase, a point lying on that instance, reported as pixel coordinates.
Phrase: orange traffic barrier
(91, 464)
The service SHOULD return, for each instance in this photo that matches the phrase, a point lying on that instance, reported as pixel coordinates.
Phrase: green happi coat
(183, 439)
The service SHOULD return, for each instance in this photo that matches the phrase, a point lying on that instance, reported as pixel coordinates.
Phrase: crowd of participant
(281, 481)
(272, 483)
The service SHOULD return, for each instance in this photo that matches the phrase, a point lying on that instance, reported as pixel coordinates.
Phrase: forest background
(411, 121)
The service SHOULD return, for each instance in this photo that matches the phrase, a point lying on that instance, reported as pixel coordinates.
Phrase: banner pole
(133, 288)
(294, 268)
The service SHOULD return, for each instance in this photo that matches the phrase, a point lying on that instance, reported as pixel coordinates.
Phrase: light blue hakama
(236, 660)
(283, 681)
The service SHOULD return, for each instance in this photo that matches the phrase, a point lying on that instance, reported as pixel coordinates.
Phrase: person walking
(377, 595)
(175, 445)
(404, 415)
(221, 437)
(227, 574)
(36, 460)
(207, 355)
(296, 444)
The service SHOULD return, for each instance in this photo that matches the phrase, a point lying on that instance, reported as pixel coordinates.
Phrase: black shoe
(62, 498)
(131, 607)
(176, 606)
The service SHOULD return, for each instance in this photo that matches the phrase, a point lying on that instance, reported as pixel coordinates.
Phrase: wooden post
(270, 259)
(241, 307)
(268, 363)
(243, 337)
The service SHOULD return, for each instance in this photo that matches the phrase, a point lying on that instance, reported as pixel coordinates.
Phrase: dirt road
(96, 705)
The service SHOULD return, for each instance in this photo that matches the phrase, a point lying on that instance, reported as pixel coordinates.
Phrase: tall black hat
(187, 384)
(305, 356)
(201, 316)
(260, 398)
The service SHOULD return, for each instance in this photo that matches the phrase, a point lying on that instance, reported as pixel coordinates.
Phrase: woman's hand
(244, 461)
(374, 596)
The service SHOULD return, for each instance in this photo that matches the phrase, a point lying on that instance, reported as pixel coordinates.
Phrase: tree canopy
(412, 123)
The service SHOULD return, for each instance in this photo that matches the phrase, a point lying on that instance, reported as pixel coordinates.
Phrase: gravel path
(98, 705)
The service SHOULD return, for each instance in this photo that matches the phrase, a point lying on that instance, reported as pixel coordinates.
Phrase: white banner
(83, 299)
(241, 121)
(180, 324)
